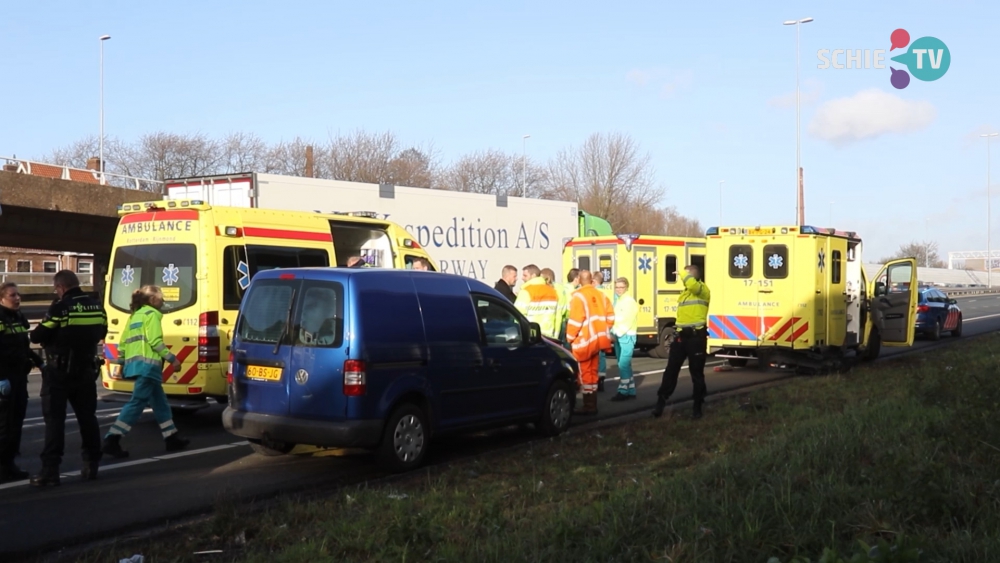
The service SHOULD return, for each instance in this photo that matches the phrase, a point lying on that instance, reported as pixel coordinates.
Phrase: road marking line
(982, 317)
(195, 452)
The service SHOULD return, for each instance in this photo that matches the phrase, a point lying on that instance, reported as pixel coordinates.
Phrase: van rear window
(265, 311)
(172, 267)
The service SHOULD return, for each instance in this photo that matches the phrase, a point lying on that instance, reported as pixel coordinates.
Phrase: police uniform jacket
(16, 355)
(70, 332)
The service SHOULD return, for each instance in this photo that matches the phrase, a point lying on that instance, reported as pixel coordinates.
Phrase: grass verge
(904, 453)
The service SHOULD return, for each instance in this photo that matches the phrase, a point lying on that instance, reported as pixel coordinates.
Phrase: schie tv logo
(927, 59)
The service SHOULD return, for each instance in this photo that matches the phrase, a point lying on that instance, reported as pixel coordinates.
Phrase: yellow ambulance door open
(643, 284)
(894, 302)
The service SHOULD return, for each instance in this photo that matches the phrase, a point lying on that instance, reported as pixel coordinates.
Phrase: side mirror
(534, 333)
(879, 289)
(952, 301)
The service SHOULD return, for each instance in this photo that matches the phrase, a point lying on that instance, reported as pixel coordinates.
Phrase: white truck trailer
(473, 235)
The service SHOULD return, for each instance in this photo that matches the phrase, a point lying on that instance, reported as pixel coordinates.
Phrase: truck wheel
(404, 441)
(270, 450)
(874, 346)
(558, 409)
(662, 349)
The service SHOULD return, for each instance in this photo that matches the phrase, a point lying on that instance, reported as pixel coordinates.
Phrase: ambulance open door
(894, 296)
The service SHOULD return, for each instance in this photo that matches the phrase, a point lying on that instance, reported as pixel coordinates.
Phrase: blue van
(385, 359)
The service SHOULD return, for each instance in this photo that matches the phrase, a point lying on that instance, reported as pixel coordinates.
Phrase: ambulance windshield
(172, 267)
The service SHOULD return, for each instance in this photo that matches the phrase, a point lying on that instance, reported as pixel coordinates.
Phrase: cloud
(666, 81)
(809, 93)
(869, 114)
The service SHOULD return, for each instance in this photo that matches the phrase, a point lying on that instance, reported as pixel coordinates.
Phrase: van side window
(583, 262)
(740, 261)
(321, 315)
(835, 266)
(238, 270)
(499, 324)
(776, 265)
(671, 268)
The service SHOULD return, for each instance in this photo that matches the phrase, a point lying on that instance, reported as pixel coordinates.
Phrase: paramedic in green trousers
(143, 354)
(691, 342)
(624, 334)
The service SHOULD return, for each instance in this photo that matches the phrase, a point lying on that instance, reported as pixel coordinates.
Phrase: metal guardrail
(959, 292)
(85, 175)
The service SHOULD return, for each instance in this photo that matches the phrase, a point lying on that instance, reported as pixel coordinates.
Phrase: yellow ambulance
(203, 258)
(799, 296)
(649, 263)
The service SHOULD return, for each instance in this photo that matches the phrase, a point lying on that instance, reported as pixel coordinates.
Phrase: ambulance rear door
(645, 268)
(893, 295)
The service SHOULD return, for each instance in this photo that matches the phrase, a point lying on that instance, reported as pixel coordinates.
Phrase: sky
(706, 89)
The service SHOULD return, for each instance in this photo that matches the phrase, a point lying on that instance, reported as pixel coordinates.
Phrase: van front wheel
(557, 410)
(404, 442)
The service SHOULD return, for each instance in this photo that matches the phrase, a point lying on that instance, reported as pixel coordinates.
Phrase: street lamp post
(102, 39)
(799, 219)
(524, 165)
(720, 202)
(989, 219)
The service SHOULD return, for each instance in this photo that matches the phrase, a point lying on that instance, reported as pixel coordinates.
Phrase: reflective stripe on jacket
(142, 345)
(692, 304)
(540, 303)
(626, 316)
(591, 315)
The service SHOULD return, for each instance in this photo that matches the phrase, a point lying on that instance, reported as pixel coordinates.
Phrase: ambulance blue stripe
(729, 334)
(739, 324)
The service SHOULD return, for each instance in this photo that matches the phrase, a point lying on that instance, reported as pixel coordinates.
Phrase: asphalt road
(151, 487)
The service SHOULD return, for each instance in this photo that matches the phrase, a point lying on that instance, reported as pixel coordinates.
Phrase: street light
(798, 151)
(720, 202)
(102, 39)
(989, 221)
(524, 176)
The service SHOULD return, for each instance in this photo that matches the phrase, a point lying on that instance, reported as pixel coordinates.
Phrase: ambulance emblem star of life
(822, 260)
(644, 264)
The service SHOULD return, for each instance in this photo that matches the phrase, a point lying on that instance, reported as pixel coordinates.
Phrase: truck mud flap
(174, 402)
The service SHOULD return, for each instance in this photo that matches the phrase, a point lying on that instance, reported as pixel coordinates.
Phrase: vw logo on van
(301, 377)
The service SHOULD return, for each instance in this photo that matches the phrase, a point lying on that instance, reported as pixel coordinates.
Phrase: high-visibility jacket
(142, 348)
(692, 304)
(626, 316)
(540, 303)
(591, 316)
(562, 310)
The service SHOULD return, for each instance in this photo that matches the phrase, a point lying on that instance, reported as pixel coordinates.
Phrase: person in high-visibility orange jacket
(591, 316)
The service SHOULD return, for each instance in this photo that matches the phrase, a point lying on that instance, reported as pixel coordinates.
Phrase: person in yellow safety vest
(623, 333)
(562, 308)
(538, 301)
(571, 285)
(690, 343)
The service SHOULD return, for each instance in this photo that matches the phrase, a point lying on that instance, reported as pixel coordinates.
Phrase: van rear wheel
(404, 442)
(558, 409)
(663, 341)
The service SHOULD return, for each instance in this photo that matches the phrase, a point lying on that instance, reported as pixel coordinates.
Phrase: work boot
(661, 403)
(589, 405)
(89, 471)
(11, 472)
(697, 411)
(112, 446)
(175, 443)
(48, 476)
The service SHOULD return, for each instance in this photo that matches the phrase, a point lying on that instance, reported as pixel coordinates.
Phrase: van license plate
(265, 373)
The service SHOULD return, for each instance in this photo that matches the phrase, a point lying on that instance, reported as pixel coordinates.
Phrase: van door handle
(177, 322)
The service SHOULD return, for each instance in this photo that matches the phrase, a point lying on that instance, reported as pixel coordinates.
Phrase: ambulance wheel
(558, 409)
(662, 349)
(273, 449)
(404, 442)
(874, 346)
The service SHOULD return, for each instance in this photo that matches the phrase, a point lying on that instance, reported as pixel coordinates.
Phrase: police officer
(691, 342)
(69, 333)
(16, 357)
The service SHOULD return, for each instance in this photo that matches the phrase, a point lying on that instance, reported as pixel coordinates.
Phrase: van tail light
(208, 337)
(229, 370)
(355, 381)
(923, 309)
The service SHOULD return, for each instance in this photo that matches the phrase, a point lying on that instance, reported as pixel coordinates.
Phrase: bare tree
(926, 253)
(411, 167)
(76, 154)
(379, 158)
(242, 152)
(289, 158)
(494, 172)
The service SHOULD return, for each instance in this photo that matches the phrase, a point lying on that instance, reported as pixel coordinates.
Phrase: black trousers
(690, 345)
(12, 410)
(58, 389)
